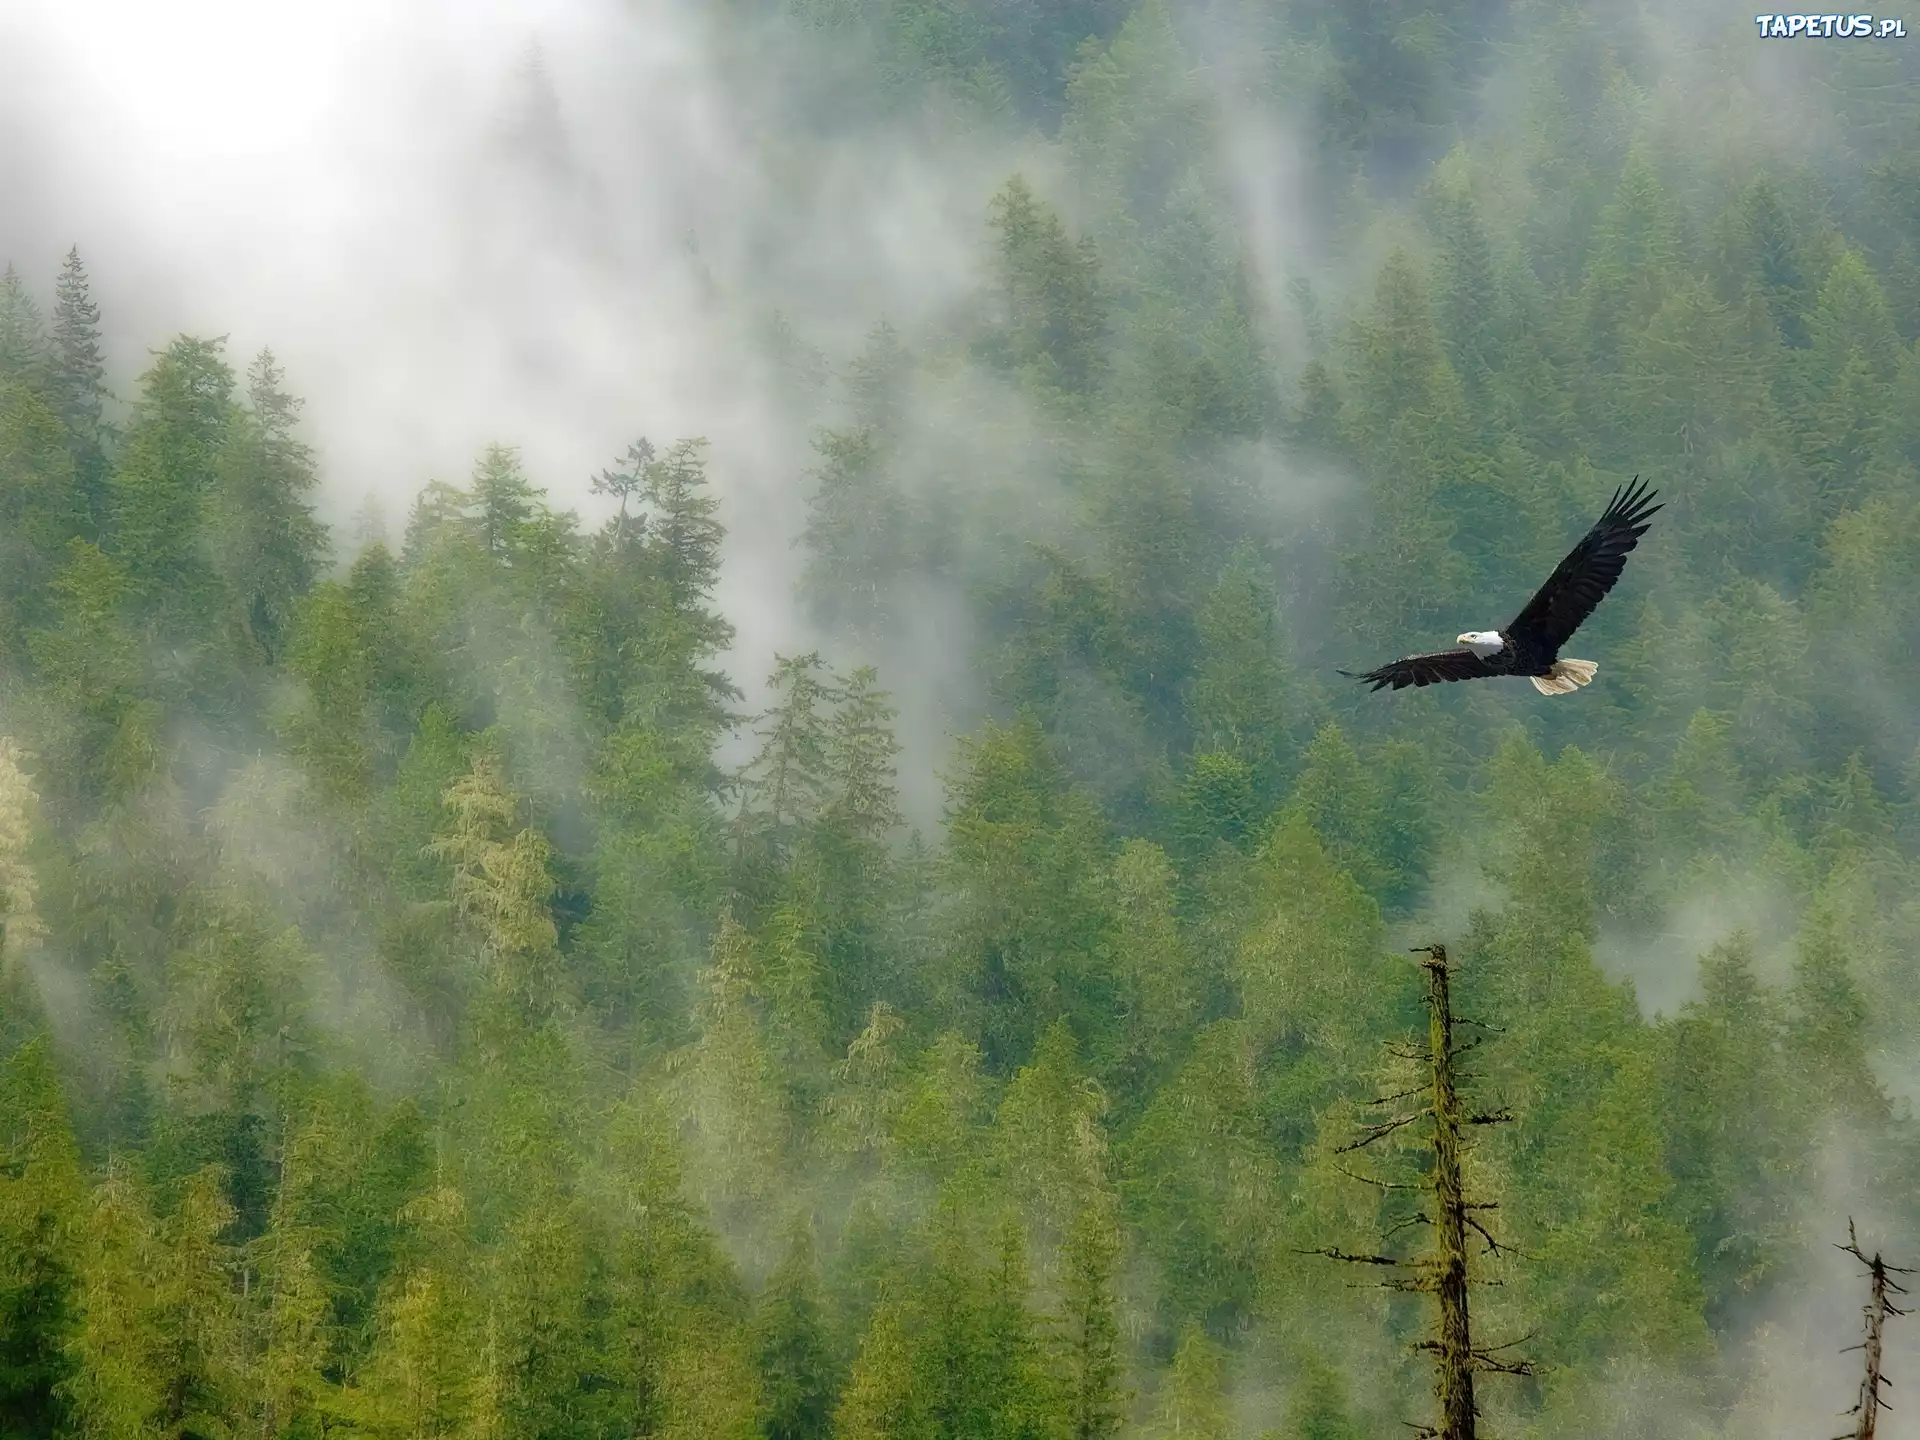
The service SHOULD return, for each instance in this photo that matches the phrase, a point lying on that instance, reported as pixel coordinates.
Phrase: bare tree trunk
(1879, 1306)
(1453, 1385)
(1445, 1270)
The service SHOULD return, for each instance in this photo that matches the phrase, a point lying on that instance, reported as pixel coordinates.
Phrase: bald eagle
(1530, 645)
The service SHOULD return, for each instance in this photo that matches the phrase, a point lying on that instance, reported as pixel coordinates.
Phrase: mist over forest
(671, 762)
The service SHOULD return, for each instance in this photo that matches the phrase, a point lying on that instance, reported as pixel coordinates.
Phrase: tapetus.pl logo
(1830, 27)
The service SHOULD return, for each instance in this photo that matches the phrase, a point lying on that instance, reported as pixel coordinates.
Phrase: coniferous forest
(445, 993)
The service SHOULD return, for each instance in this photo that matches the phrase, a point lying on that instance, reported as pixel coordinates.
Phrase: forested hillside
(435, 1002)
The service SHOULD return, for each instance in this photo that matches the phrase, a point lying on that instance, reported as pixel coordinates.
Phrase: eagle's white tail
(1566, 677)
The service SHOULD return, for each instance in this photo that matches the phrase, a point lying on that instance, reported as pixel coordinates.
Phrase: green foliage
(1318, 1408)
(165, 482)
(267, 545)
(1053, 310)
(428, 1008)
(42, 1198)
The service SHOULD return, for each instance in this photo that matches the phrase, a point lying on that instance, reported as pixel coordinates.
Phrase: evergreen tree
(503, 502)
(1024, 853)
(1735, 1142)
(1053, 305)
(290, 1387)
(502, 885)
(166, 478)
(23, 335)
(1195, 1405)
(41, 508)
(857, 532)
(1317, 1408)
(42, 1202)
(21, 928)
(76, 386)
(796, 1367)
(1468, 292)
(1090, 1357)
(269, 545)
(1160, 992)
(881, 1401)
(1405, 419)
(784, 788)
(1238, 702)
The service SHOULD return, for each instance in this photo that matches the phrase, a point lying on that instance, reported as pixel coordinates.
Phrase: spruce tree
(269, 544)
(23, 335)
(790, 1344)
(42, 1211)
(164, 484)
(1092, 1366)
(77, 388)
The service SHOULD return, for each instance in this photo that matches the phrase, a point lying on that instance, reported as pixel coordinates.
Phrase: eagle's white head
(1482, 642)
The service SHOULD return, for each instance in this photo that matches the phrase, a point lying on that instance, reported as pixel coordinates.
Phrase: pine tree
(1238, 702)
(121, 1375)
(627, 483)
(1053, 303)
(1090, 1358)
(89, 666)
(856, 534)
(640, 621)
(1203, 1177)
(1161, 993)
(41, 508)
(545, 1342)
(948, 1339)
(42, 1211)
(1052, 1150)
(1778, 270)
(1827, 1030)
(427, 1371)
(790, 1341)
(291, 1391)
(1317, 1409)
(879, 379)
(1024, 853)
(503, 502)
(1735, 1138)
(163, 486)
(881, 1401)
(1468, 293)
(21, 928)
(23, 335)
(1134, 115)
(1405, 420)
(684, 531)
(503, 886)
(784, 788)
(1194, 1406)
(1022, 1396)
(269, 545)
(847, 877)
(76, 386)
(735, 1103)
(1634, 251)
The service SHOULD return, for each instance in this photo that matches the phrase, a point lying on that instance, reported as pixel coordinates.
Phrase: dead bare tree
(1445, 1271)
(1882, 1287)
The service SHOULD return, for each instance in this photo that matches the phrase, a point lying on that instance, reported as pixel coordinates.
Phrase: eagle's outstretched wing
(1582, 580)
(1441, 665)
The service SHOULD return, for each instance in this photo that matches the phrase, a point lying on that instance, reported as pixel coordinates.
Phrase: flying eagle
(1530, 644)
